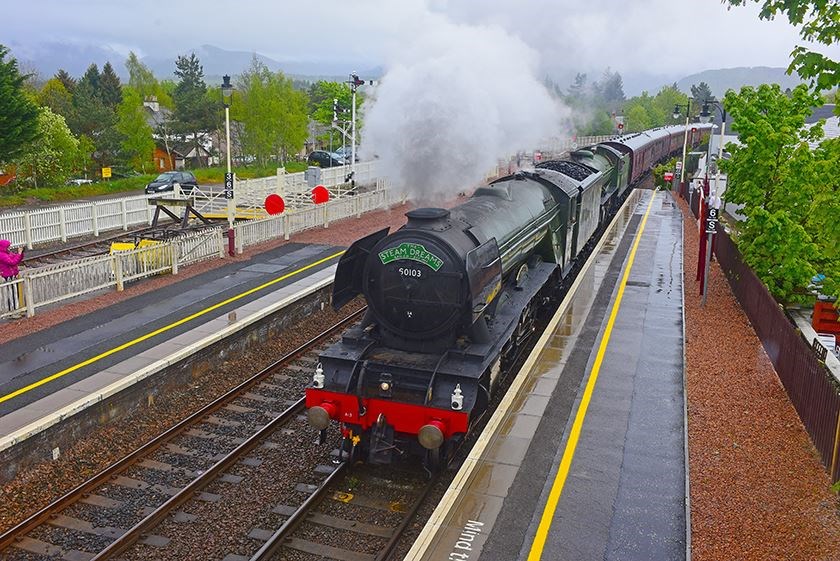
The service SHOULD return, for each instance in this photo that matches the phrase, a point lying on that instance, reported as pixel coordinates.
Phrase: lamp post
(677, 112)
(714, 202)
(227, 95)
(705, 117)
(355, 82)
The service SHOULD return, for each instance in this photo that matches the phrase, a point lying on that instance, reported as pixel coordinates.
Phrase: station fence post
(124, 213)
(118, 271)
(27, 229)
(175, 253)
(62, 224)
(28, 298)
(94, 218)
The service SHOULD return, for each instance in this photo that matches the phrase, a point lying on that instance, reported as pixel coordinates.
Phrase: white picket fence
(55, 283)
(29, 228)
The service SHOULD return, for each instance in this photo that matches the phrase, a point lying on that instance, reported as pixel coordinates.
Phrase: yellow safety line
(163, 329)
(574, 435)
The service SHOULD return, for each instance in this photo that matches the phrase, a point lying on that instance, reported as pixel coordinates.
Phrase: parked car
(344, 153)
(167, 180)
(324, 159)
(79, 181)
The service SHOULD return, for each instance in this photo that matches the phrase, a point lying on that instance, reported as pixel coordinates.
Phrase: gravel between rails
(39, 486)
(758, 489)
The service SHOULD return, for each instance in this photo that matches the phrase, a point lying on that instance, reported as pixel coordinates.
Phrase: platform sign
(712, 220)
(106, 173)
(229, 185)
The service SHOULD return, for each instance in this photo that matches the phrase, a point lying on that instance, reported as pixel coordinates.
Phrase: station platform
(586, 456)
(52, 374)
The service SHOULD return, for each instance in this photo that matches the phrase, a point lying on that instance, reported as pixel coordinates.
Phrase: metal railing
(51, 284)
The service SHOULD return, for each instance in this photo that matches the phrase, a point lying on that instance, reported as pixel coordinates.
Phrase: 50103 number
(406, 272)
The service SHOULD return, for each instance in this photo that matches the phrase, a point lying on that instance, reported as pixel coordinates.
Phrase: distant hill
(724, 79)
(47, 58)
(218, 62)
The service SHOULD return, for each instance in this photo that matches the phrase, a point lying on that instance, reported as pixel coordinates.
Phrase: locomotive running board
(348, 275)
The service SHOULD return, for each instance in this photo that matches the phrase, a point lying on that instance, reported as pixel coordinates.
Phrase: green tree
(66, 79)
(636, 117)
(819, 22)
(92, 118)
(321, 96)
(110, 89)
(194, 113)
(90, 79)
(18, 115)
(83, 162)
(611, 88)
(49, 161)
(272, 113)
(54, 95)
(774, 174)
(664, 103)
(137, 142)
(701, 93)
(143, 80)
(577, 91)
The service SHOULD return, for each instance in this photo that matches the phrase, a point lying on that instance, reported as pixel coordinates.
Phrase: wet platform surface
(33, 357)
(623, 492)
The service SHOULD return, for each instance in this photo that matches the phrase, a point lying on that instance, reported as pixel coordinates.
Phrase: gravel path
(758, 489)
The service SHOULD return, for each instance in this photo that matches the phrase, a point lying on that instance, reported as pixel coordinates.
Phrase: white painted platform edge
(42, 424)
(438, 518)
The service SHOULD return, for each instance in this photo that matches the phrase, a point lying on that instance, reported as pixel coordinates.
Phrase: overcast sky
(653, 36)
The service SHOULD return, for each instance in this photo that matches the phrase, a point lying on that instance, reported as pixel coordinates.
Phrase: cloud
(455, 99)
(659, 36)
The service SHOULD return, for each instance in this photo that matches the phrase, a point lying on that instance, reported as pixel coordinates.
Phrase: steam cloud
(453, 103)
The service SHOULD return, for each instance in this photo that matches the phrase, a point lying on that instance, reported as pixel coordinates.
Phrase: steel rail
(8, 537)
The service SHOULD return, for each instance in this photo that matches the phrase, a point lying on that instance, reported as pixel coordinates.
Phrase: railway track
(354, 515)
(99, 246)
(123, 504)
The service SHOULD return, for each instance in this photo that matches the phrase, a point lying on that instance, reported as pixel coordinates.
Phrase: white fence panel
(69, 221)
(54, 283)
(200, 246)
(143, 262)
(11, 298)
(13, 227)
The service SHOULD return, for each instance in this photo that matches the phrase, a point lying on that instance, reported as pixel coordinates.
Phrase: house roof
(187, 149)
(162, 147)
(818, 113)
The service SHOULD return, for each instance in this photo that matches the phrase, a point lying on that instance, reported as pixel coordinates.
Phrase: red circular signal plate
(274, 204)
(320, 195)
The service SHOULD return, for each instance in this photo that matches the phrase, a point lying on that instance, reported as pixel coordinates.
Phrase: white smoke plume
(452, 102)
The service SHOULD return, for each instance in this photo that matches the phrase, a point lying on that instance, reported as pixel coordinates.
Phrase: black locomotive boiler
(452, 296)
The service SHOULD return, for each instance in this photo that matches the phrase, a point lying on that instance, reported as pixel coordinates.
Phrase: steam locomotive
(454, 294)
